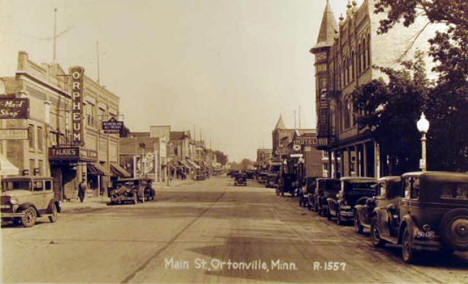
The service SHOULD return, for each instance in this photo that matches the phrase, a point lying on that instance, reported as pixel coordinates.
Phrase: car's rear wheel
(407, 252)
(29, 217)
(375, 235)
(357, 224)
(53, 213)
(454, 227)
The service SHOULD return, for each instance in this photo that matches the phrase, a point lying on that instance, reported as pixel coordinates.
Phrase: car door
(38, 198)
(48, 192)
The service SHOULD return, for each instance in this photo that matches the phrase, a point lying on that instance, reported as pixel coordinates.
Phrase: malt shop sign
(14, 108)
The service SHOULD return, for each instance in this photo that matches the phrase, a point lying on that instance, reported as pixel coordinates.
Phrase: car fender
(25, 205)
(406, 221)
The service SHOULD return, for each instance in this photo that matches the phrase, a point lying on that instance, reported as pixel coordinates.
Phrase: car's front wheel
(357, 224)
(407, 252)
(53, 213)
(29, 217)
(375, 235)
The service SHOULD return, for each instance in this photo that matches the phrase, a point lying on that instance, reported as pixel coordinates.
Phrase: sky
(224, 68)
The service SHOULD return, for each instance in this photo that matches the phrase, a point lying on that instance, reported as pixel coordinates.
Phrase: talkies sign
(77, 104)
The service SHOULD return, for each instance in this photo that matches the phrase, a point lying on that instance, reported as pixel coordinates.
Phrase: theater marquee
(77, 74)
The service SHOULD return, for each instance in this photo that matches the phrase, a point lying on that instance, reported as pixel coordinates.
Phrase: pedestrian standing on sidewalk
(82, 187)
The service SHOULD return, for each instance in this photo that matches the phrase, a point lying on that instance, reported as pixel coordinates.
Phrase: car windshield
(16, 185)
(359, 186)
(454, 191)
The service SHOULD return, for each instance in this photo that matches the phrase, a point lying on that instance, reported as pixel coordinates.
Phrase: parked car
(326, 187)
(132, 190)
(232, 173)
(271, 180)
(432, 216)
(240, 179)
(25, 198)
(308, 190)
(351, 191)
(250, 174)
(286, 184)
(388, 192)
(262, 177)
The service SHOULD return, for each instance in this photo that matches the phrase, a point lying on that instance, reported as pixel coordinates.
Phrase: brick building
(344, 55)
(65, 139)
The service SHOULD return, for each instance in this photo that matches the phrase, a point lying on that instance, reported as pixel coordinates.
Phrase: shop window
(48, 185)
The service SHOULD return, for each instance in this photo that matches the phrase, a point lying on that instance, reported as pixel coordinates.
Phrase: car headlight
(14, 201)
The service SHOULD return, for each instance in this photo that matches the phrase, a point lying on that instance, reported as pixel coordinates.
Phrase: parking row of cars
(420, 211)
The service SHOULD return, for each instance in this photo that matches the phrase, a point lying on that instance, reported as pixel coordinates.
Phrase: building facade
(65, 139)
(344, 55)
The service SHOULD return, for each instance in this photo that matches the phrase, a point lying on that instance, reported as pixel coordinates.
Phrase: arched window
(363, 55)
(368, 50)
(352, 66)
(346, 114)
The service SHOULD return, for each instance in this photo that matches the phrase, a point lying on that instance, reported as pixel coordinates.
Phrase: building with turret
(344, 55)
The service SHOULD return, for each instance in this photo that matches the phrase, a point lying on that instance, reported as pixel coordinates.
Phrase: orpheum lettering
(77, 105)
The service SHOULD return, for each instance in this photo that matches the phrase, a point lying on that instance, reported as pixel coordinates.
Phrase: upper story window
(31, 136)
(368, 51)
(40, 138)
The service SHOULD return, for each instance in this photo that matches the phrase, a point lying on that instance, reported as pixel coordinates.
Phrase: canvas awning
(97, 169)
(195, 166)
(186, 164)
(6, 167)
(119, 171)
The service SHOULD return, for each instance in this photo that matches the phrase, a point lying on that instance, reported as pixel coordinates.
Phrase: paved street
(208, 221)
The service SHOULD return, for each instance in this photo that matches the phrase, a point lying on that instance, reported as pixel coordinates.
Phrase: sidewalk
(90, 202)
(95, 202)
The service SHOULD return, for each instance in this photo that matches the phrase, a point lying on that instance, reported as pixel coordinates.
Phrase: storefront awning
(186, 164)
(119, 171)
(97, 169)
(195, 166)
(6, 167)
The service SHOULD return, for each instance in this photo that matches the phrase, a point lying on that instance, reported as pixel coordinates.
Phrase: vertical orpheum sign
(77, 105)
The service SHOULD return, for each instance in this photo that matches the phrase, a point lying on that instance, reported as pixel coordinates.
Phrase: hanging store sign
(14, 108)
(306, 140)
(112, 126)
(14, 134)
(77, 104)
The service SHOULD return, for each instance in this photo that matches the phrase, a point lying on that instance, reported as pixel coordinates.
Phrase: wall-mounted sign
(112, 126)
(72, 153)
(14, 134)
(14, 108)
(77, 74)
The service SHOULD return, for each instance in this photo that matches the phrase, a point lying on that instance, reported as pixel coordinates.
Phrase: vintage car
(232, 173)
(250, 174)
(388, 191)
(351, 191)
(262, 177)
(25, 198)
(432, 216)
(240, 179)
(199, 175)
(287, 184)
(132, 190)
(325, 188)
(308, 190)
(271, 180)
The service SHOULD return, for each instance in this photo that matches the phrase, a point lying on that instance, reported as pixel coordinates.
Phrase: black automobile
(232, 173)
(325, 188)
(287, 184)
(388, 193)
(352, 190)
(240, 179)
(271, 180)
(432, 215)
(308, 191)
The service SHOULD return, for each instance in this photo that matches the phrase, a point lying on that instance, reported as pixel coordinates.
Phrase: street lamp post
(423, 127)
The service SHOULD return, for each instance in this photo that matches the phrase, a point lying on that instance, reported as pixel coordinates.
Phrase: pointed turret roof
(328, 27)
(280, 123)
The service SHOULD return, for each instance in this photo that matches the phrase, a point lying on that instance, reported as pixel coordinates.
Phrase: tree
(389, 111)
(447, 102)
(221, 157)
